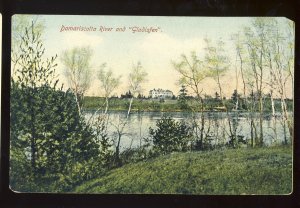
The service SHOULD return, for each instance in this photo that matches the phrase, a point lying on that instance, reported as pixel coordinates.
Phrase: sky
(155, 50)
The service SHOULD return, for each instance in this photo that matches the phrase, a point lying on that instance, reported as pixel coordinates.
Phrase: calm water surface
(138, 123)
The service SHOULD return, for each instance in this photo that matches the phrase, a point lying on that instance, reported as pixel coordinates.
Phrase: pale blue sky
(155, 50)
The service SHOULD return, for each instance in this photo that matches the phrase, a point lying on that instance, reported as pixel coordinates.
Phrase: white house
(160, 93)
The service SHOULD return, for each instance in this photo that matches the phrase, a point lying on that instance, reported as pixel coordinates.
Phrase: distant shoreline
(165, 111)
(172, 105)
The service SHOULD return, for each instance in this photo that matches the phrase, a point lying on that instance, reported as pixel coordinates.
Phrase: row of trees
(264, 62)
(77, 67)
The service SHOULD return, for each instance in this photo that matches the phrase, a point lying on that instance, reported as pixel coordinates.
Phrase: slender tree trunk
(272, 104)
(120, 133)
(117, 155)
(261, 140)
(129, 108)
(33, 147)
(236, 87)
(219, 85)
(78, 103)
(256, 139)
(252, 123)
(261, 121)
(274, 128)
(232, 135)
(273, 115)
(141, 122)
(284, 118)
(289, 123)
(252, 133)
(202, 124)
(106, 105)
(243, 79)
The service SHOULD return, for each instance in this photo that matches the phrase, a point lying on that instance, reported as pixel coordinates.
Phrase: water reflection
(217, 128)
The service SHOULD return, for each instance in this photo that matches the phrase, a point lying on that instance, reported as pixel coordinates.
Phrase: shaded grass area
(232, 171)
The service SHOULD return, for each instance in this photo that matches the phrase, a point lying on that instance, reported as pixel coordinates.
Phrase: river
(216, 126)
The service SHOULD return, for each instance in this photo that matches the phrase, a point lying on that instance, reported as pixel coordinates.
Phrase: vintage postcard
(152, 105)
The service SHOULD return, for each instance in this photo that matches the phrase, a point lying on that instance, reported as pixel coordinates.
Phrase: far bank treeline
(177, 104)
(54, 147)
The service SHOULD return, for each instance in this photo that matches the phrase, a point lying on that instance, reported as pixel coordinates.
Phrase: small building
(160, 93)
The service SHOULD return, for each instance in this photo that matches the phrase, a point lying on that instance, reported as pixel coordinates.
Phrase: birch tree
(256, 39)
(19, 23)
(216, 61)
(280, 58)
(289, 56)
(240, 57)
(77, 63)
(267, 54)
(136, 78)
(109, 83)
(192, 74)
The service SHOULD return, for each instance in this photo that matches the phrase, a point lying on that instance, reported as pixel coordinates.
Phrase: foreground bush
(52, 148)
(170, 136)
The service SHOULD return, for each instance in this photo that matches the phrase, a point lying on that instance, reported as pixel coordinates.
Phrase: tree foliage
(49, 139)
(108, 82)
(182, 98)
(192, 73)
(216, 61)
(137, 77)
(19, 23)
(77, 63)
(170, 136)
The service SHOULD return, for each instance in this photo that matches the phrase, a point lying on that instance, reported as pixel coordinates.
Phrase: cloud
(73, 39)
(163, 46)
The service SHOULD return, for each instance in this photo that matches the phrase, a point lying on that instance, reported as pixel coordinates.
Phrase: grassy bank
(167, 105)
(118, 104)
(234, 171)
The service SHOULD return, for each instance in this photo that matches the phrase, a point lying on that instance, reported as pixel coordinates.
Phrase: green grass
(234, 171)
(118, 104)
